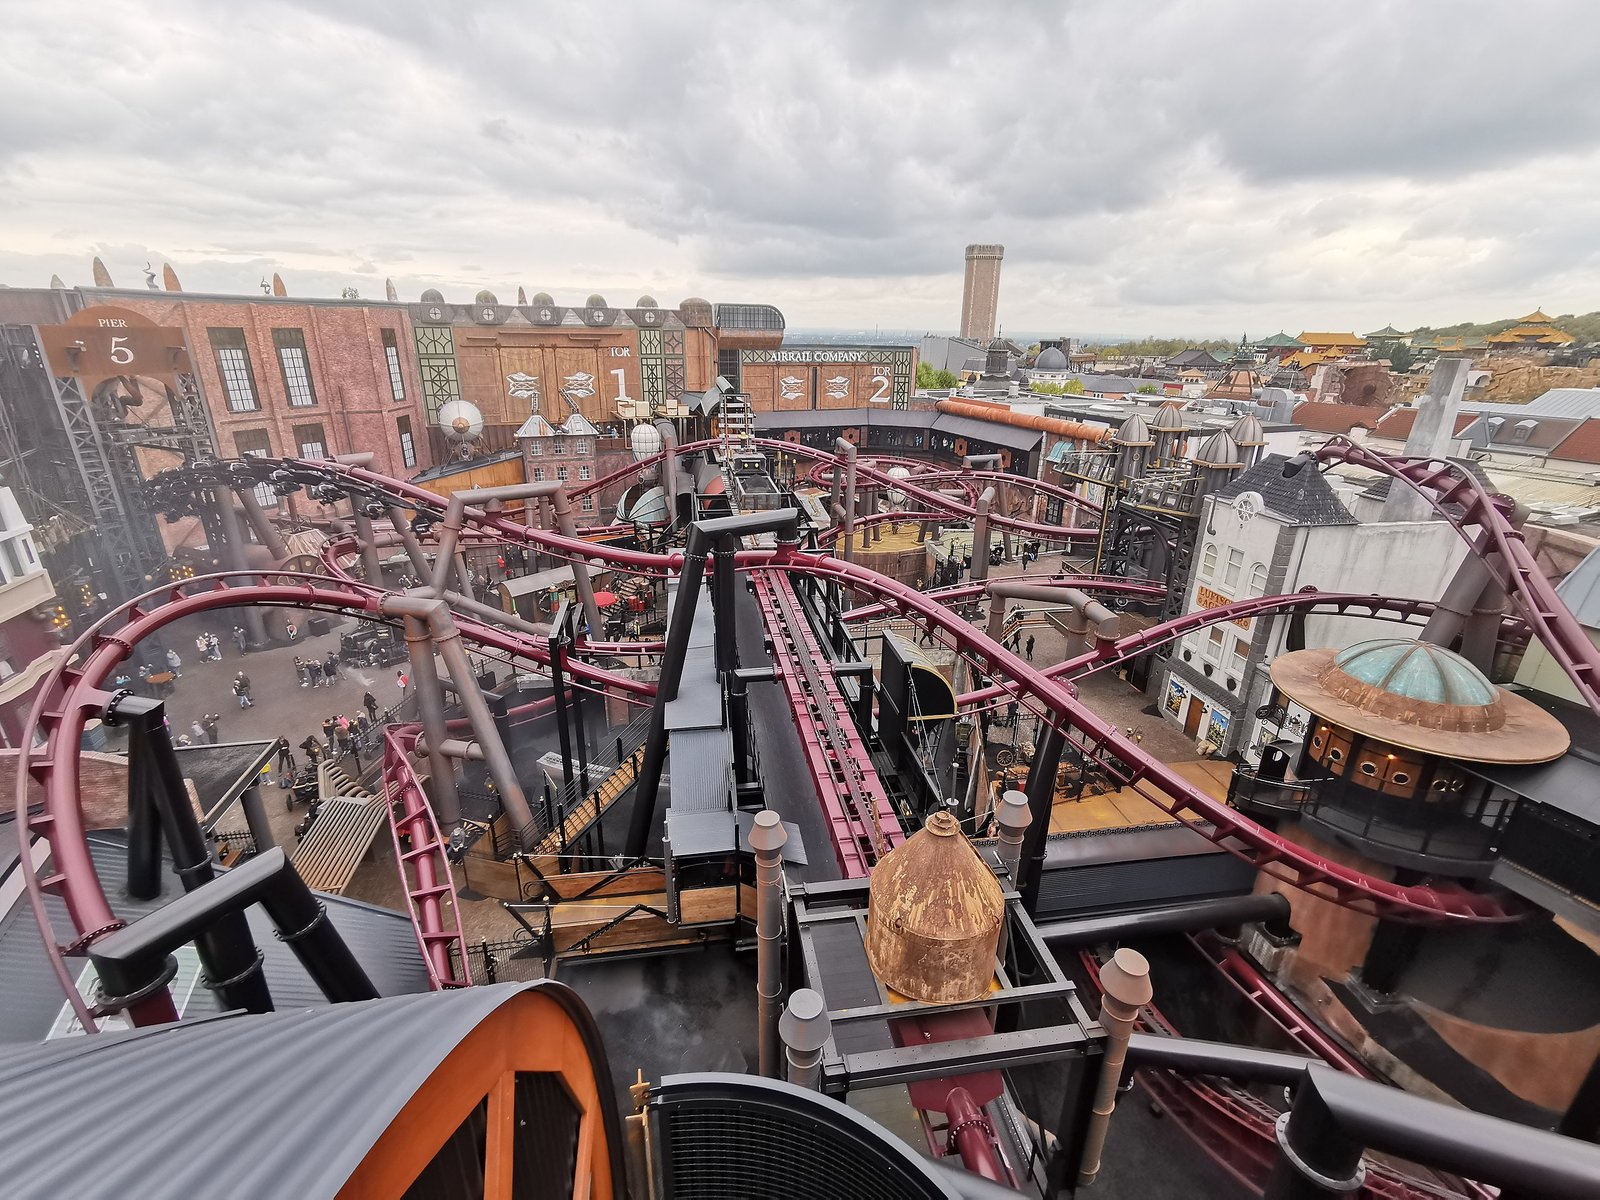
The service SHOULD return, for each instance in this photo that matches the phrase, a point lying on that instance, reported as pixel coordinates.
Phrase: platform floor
(1125, 806)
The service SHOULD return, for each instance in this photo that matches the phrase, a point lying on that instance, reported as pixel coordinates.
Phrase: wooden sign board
(104, 342)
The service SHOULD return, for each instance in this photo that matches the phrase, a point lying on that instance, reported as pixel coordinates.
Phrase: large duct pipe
(980, 536)
(430, 706)
(1125, 984)
(408, 539)
(669, 467)
(1107, 624)
(1177, 918)
(767, 836)
(368, 543)
(849, 501)
(266, 532)
(493, 500)
(1000, 414)
(233, 534)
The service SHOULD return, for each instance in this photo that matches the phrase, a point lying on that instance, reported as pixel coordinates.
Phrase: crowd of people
(314, 673)
(344, 735)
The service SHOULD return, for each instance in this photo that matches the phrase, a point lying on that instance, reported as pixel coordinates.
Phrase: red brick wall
(344, 345)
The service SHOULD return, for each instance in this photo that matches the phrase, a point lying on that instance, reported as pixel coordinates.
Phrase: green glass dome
(1417, 671)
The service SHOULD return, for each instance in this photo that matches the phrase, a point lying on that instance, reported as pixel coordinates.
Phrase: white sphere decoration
(645, 441)
(894, 495)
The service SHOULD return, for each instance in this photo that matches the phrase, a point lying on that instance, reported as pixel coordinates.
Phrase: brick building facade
(289, 376)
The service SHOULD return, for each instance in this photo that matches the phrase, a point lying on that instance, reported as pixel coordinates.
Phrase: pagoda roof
(1387, 332)
(1331, 339)
(1537, 317)
(1281, 339)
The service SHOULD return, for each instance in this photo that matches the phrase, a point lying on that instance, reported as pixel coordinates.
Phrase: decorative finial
(150, 278)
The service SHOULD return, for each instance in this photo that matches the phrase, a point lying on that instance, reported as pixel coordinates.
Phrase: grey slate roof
(1557, 402)
(281, 1104)
(1580, 590)
(383, 942)
(1307, 499)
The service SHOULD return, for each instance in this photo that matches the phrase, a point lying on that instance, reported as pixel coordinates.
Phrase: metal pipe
(1013, 816)
(805, 1029)
(767, 836)
(408, 539)
(233, 538)
(980, 535)
(134, 958)
(369, 544)
(1107, 624)
(489, 612)
(1177, 918)
(430, 708)
(1193, 1056)
(266, 532)
(669, 448)
(1125, 982)
(255, 818)
(972, 1135)
(849, 501)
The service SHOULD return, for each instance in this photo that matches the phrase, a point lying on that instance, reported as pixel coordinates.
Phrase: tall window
(408, 446)
(1208, 561)
(581, 446)
(1258, 579)
(561, 474)
(397, 379)
(588, 504)
(1230, 576)
(255, 443)
(311, 441)
(584, 473)
(233, 364)
(296, 367)
(558, 446)
(538, 474)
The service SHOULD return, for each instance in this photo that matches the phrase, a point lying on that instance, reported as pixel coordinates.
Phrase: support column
(233, 534)
(255, 817)
(1125, 982)
(767, 836)
(980, 537)
(266, 532)
(408, 539)
(1041, 792)
(430, 706)
(369, 545)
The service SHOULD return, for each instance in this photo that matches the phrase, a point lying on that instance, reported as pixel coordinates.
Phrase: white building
(1264, 534)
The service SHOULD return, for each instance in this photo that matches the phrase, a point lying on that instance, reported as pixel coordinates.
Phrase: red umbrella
(604, 599)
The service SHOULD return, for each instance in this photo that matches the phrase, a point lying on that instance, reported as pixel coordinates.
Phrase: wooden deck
(337, 842)
(1125, 807)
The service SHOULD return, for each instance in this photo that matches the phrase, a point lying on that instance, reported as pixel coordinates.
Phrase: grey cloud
(1153, 161)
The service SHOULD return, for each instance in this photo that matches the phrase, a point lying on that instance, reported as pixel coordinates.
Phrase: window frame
(1208, 561)
(235, 373)
(408, 441)
(1233, 568)
(302, 442)
(391, 356)
(294, 367)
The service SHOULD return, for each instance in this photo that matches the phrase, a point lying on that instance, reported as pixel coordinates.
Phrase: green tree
(1399, 354)
(1147, 389)
(928, 377)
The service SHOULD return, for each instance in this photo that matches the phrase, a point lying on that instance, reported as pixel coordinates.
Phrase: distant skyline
(1169, 169)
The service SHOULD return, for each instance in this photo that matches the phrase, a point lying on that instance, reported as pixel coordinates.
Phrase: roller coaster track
(75, 687)
(861, 821)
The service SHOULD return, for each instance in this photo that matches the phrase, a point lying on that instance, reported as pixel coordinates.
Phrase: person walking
(292, 630)
(241, 689)
(198, 732)
(286, 764)
(174, 664)
(327, 733)
(1028, 649)
(240, 638)
(330, 666)
(202, 647)
(400, 678)
(210, 722)
(370, 703)
(215, 645)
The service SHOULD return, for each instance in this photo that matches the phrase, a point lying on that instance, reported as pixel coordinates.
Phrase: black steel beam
(1176, 918)
(1192, 1056)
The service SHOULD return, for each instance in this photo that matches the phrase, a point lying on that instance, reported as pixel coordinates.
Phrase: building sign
(1176, 695)
(1204, 597)
(103, 342)
(812, 377)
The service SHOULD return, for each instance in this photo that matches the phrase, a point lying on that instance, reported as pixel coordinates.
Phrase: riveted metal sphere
(934, 912)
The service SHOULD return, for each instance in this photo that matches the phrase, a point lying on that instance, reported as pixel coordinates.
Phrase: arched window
(1258, 579)
(1208, 562)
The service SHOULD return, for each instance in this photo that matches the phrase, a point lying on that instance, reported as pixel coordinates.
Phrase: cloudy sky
(1189, 167)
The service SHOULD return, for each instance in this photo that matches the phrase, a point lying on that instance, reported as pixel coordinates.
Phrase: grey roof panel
(280, 1104)
(992, 432)
(1581, 590)
(1307, 499)
(382, 940)
(701, 763)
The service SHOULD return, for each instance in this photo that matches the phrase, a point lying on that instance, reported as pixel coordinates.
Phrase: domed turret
(1169, 419)
(433, 296)
(646, 302)
(934, 912)
(485, 297)
(1219, 450)
(1251, 438)
(695, 311)
(542, 300)
(1050, 359)
(1133, 432)
(595, 301)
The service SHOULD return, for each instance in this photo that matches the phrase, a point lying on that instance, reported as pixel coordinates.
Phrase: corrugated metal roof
(1580, 590)
(383, 941)
(1557, 402)
(281, 1104)
(822, 418)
